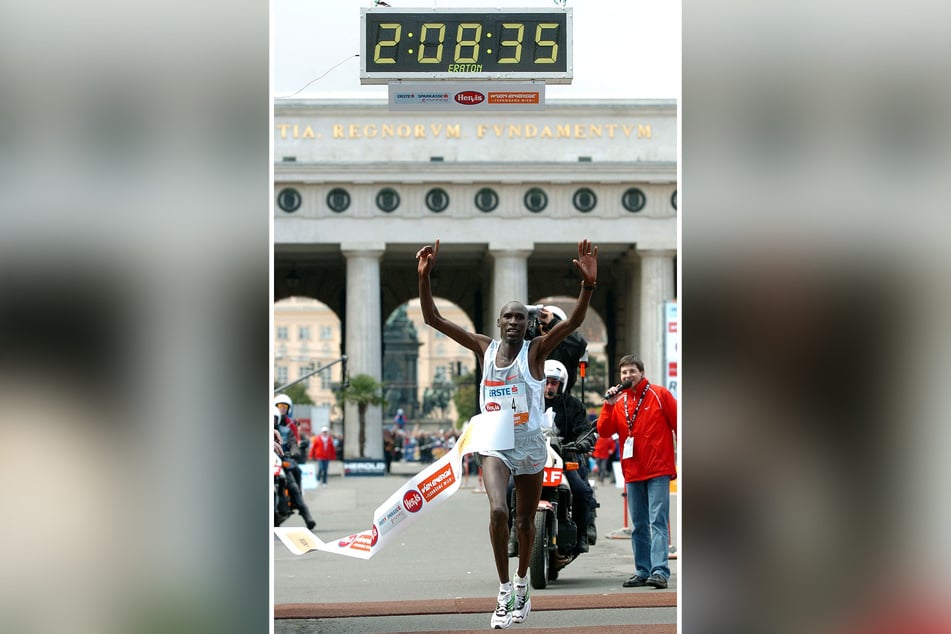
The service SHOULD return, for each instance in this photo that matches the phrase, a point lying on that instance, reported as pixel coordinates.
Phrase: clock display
(465, 44)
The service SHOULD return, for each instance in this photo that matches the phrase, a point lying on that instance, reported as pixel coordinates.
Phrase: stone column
(364, 342)
(509, 280)
(656, 287)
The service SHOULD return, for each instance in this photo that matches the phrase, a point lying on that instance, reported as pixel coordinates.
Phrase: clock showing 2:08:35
(465, 44)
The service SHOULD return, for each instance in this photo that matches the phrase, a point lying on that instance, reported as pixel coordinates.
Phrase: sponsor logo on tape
(412, 501)
(438, 482)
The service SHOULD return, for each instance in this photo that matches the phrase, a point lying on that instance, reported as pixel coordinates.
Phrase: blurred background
(134, 303)
(815, 142)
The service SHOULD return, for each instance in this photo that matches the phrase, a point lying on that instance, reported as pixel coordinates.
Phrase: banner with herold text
(416, 498)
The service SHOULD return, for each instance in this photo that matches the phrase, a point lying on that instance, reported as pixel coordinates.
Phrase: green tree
(365, 391)
(465, 398)
(297, 393)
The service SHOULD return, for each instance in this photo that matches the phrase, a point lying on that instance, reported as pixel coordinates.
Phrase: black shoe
(657, 581)
(635, 582)
(311, 524)
(582, 547)
(592, 534)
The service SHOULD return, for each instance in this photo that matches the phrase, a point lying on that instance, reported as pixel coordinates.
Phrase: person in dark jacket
(577, 437)
(571, 349)
(289, 447)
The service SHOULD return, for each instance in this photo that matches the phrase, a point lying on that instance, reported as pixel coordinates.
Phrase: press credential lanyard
(629, 442)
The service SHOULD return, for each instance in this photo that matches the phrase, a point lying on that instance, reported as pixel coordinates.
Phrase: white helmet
(556, 370)
(284, 398)
(558, 312)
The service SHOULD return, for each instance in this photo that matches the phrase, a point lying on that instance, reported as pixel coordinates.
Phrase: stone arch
(436, 359)
(307, 336)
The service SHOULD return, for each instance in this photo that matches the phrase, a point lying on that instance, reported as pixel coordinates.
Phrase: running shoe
(503, 611)
(523, 601)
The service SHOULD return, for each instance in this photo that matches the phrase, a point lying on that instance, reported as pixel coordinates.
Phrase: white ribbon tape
(421, 493)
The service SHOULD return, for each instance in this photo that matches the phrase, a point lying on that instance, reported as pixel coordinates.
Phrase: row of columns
(642, 333)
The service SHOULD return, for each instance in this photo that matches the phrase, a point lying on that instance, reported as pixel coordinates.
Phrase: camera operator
(569, 352)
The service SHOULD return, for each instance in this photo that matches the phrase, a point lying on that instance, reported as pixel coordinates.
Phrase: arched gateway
(359, 189)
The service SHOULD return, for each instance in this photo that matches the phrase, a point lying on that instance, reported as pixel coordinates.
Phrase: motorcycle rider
(282, 508)
(577, 439)
(290, 447)
(284, 404)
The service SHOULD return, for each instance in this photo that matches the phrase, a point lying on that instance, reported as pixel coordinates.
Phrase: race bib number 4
(510, 396)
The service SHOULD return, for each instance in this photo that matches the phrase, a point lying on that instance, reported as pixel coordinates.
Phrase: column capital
(512, 247)
(655, 251)
(365, 249)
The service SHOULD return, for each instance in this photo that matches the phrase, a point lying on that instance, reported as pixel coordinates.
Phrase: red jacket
(653, 430)
(322, 448)
(603, 448)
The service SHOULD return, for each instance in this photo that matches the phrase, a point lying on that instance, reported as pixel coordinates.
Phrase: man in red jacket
(644, 416)
(323, 451)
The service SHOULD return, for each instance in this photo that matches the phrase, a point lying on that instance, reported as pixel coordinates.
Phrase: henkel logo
(346, 541)
(492, 406)
(374, 535)
(469, 97)
(413, 501)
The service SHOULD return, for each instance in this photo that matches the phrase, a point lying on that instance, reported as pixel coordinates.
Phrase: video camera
(534, 326)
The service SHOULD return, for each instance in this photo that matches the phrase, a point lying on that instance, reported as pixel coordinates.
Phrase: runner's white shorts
(527, 457)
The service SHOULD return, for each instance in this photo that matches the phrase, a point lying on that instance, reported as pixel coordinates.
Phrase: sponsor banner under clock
(466, 96)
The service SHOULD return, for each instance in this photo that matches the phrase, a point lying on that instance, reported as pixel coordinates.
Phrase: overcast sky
(622, 49)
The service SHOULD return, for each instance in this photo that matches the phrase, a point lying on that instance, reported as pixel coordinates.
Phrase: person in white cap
(323, 451)
(569, 351)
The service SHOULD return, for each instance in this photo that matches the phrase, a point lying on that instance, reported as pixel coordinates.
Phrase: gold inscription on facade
(296, 132)
(391, 131)
(482, 130)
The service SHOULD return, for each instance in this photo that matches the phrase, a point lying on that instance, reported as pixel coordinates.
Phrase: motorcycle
(556, 533)
(282, 504)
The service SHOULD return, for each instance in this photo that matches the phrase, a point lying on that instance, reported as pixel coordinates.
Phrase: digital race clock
(459, 44)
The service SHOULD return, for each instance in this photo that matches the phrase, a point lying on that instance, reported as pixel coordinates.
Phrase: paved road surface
(439, 575)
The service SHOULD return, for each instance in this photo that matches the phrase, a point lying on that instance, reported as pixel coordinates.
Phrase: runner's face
(513, 321)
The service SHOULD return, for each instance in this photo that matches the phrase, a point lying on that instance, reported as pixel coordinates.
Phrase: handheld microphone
(620, 386)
